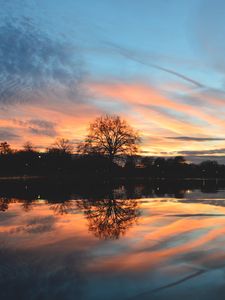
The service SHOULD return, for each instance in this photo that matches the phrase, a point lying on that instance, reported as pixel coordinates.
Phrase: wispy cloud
(158, 108)
(203, 152)
(33, 64)
(8, 134)
(128, 53)
(195, 139)
(38, 127)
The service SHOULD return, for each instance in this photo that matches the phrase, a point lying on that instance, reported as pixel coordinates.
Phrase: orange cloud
(147, 109)
(144, 96)
(159, 116)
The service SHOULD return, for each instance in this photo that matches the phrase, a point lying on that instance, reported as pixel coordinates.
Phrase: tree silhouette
(59, 156)
(62, 145)
(110, 136)
(110, 218)
(5, 148)
(28, 147)
(147, 161)
(179, 160)
(209, 168)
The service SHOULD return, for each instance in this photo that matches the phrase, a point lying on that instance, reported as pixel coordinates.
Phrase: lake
(135, 240)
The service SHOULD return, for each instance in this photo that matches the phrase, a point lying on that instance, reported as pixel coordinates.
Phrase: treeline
(110, 148)
(59, 160)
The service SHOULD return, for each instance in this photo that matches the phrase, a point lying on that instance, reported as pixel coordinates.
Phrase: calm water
(127, 241)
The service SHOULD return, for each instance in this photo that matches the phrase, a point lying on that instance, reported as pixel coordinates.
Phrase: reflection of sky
(174, 250)
(159, 64)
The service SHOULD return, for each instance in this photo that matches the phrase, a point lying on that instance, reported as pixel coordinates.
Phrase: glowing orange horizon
(148, 110)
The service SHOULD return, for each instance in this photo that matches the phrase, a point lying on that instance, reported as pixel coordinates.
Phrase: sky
(158, 64)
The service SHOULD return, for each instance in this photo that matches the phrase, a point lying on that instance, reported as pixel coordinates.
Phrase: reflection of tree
(62, 208)
(110, 218)
(4, 203)
(27, 205)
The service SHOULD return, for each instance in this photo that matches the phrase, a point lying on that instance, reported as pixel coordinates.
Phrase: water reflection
(59, 191)
(4, 203)
(110, 218)
(122, 241)
(62, 208)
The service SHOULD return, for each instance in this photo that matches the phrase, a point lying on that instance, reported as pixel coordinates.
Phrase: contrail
(146, 294)
(130, 55)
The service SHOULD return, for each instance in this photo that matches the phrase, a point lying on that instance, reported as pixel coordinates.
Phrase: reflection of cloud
(25, 270)
(36, 226)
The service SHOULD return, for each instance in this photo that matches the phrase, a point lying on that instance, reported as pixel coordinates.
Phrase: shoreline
(52, 177)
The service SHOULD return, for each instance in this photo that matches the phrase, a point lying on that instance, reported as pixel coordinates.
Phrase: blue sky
(157, 63)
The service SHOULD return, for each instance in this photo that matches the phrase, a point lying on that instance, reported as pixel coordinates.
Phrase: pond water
(135, 241)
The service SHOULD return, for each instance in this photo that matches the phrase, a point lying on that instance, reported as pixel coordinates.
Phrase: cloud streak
(140, 59)
(8, 134)
(38, 127)
(33, 64)
(153, 103)
(202, 152)
(195, 139)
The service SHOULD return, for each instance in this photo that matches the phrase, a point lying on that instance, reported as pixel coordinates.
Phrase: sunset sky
(159, 64)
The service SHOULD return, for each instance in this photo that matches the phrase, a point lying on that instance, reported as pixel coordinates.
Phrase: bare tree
(5, 148)
(62, 145)
(28, 147)
(110, 136)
